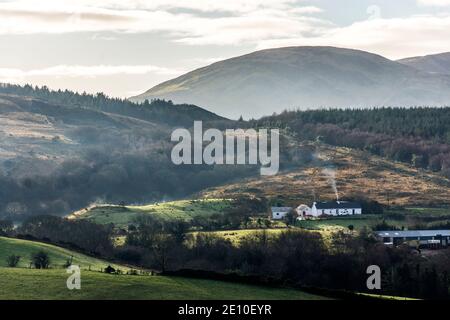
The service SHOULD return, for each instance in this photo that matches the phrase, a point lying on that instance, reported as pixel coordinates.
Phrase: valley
(90, 179)
(231, 151)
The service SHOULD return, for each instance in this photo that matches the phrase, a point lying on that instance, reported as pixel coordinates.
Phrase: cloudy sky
(124, 47)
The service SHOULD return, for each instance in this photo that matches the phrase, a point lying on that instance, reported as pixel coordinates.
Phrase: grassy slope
(236, 236)
(181, 210)
(51, 284)
(58, 255)
(384, 297)
(24, 283)
(344, 222)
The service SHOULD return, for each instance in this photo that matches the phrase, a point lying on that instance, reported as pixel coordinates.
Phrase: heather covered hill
(356, 174)
(417, 136)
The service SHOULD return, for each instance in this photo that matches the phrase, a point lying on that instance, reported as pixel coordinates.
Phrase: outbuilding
(279, 213)
(424, 238)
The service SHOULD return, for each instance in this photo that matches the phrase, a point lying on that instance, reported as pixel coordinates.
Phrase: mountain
(272, 80)
(435, 63)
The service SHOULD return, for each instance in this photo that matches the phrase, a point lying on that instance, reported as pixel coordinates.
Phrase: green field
(185, 210)
(58, 256)
(385, 297)
(25, 283)
(30, 284)
(424, 211)
(235, 236)
(340, 223)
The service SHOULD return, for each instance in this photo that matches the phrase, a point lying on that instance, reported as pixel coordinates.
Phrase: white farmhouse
(335, 208)
(279, 213)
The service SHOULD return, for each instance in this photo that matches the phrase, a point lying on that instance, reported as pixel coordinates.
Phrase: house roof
(338, 205)
(281, 209)
(413, 233)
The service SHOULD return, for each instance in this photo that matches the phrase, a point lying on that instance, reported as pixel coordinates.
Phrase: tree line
(155, 110)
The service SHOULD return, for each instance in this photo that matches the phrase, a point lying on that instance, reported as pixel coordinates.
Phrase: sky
(125, 47)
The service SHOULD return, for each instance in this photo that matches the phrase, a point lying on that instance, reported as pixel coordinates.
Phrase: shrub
(41, 260)
(68, 263)
(110, 269)
(12, 261)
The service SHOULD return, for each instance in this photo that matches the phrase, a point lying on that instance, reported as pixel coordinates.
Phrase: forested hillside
(61, 151)
(155, 110)
(419, 136)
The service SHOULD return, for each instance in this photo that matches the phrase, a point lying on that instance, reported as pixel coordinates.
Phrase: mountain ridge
(433, 63)
(272, 80)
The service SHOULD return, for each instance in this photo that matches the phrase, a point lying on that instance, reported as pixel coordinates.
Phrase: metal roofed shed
(425, 238)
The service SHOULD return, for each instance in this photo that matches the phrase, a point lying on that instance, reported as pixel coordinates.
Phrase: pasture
(31, 284)
(185, 210)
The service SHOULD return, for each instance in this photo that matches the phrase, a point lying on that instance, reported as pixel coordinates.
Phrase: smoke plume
(330, 173)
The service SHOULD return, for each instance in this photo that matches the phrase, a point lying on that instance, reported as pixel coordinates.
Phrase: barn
(424, 238)
(279, 213)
